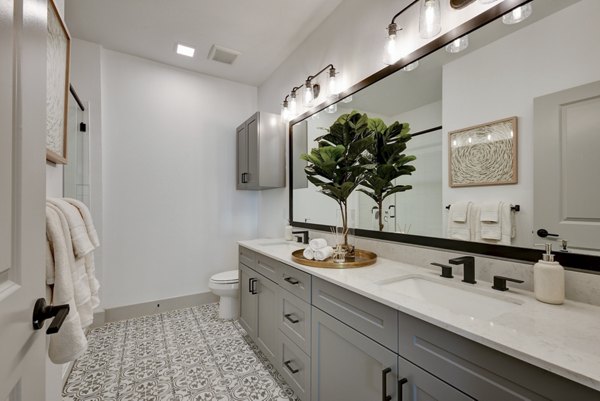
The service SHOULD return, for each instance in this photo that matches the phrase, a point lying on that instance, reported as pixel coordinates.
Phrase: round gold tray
(362, 259)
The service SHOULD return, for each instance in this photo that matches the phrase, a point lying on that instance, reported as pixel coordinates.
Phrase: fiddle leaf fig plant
(335, 165)
(386, 162)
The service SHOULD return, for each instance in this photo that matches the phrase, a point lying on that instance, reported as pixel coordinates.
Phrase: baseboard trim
(153, 307)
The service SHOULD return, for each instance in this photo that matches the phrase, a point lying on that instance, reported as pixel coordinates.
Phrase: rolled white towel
(317, 243)
(323, 253)
(308, 253)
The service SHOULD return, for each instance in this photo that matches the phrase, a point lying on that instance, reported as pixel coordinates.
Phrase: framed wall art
(58, 50)
(485, 154)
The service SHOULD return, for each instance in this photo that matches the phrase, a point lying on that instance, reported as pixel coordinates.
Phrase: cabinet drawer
(294, 320)
(479, 371)
(296, 281)
(371, 318)
(247, 257)
(268, 267)
(295, 368)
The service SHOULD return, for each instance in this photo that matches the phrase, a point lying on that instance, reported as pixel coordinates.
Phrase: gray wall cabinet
(261, 152)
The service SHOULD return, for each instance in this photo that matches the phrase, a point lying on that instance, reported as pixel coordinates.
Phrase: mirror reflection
(509, 122)
(76, 173)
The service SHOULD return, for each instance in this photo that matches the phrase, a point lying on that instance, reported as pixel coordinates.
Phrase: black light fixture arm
(403, 10)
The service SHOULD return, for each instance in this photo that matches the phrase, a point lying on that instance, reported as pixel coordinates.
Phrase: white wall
(353, 39)
(172, 215)
(495, 82)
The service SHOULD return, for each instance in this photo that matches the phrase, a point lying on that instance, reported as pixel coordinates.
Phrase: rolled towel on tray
(323, 253)
(317, 243)
(308, 253)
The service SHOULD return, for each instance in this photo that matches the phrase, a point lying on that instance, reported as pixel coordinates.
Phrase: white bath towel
(70, 342)
(490, 212)
(81, 282)
(490, 223)
(323, 253)
(500, 233)
(79, 233)
(308, 253)
(87, 219)
(317, 243)
(459, 222)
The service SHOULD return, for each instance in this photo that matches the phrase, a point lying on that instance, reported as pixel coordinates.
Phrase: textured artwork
(58, 44)
(183, 355)
(484, 155)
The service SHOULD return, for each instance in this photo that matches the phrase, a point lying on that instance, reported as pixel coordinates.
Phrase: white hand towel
(317, 243)
(70, 342)
(489, 212)
(459, 221)
(308, 253)
(323, 253)
(79, 234)
(87, 219)
(500, 233)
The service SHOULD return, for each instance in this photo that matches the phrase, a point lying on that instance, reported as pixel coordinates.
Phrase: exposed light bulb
(347, 99)
(293, 104)
(518, 14)
(391, 47)
(411, 66)
(332, 83)
(430, 20)
(285, 111)
(331, 109)
(308, 94)
(458, 45)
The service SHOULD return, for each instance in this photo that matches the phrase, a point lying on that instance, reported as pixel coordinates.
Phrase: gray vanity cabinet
(347, 365)
(248, 301)
(415, 384)
(261, 152)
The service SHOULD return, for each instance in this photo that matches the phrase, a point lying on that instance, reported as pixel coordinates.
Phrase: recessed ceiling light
(185, 50)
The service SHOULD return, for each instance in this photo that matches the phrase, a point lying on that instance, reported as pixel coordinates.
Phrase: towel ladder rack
(515, 208)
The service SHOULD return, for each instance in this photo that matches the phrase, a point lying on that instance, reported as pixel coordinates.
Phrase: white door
(22, 194)
(566, 166)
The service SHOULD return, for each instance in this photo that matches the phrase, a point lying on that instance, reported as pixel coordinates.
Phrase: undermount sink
(455, 297)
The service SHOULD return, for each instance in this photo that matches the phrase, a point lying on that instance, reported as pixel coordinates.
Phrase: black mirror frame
(582, 262)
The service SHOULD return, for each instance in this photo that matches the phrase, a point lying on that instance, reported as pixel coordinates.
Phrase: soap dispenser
(549, 279)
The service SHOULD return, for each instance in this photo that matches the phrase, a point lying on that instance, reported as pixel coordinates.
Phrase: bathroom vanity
(394, 331)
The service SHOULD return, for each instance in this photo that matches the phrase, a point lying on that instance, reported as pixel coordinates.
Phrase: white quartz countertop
(563, 339)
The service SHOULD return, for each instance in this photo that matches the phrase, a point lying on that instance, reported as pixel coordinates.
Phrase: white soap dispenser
(549, 279)
(288, 232)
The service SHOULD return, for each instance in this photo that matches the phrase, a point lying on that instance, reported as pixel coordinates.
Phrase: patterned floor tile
(183, 355)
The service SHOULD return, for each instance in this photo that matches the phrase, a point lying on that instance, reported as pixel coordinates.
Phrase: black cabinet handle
(291, 280)
(292, 370)
(542, 232)
(401, 384)
(500, 282)
(244, 178)
(384, 395)
(446, 270)
(42, 311)
(253, 286)
(290, 318)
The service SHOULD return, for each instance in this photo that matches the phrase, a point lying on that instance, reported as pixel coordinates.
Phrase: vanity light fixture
(411, 66)
(458, 45)
(331, 109)
(392, 54)
(185, 50)
(518, 14)
(430, 20)
(311, 93)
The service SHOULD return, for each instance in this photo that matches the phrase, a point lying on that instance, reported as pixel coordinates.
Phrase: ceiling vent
(222, 54)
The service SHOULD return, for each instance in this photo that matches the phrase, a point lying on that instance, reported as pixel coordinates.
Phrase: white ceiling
(264, 31)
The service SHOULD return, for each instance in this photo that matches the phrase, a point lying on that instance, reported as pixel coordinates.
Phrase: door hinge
(82, 127)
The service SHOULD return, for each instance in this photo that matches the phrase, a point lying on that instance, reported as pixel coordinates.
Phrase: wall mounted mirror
(545, 72)
(76, 173)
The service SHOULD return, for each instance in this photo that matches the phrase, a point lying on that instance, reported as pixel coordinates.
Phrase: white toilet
(226, 285)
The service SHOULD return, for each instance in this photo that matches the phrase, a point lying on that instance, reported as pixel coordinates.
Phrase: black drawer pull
(250, 285)
(401, 383)
(291, 280)
(384, 395)
(292, 370)
(253, 286)
(290, 318)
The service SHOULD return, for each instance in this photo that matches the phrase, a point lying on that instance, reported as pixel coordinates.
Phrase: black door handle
(292, 370)
(42, 311)
(384, 395)
(291, 280)
(290, 318)
(401, 384)
(542, 232)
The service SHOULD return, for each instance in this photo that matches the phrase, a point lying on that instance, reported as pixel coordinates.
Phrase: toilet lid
(230, 276)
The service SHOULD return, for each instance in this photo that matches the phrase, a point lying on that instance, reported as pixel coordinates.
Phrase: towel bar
(515, 208)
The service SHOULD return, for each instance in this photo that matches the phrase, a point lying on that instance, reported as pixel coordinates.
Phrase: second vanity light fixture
(430, 24)
(311, 92)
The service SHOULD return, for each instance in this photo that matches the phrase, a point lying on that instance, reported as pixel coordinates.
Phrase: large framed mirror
(533, 86)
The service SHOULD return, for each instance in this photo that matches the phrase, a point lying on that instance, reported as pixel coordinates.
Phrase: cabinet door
(248, 300)
(267, 330)
(346, 365)
(253, 153)
(415, 384)
(242, 156)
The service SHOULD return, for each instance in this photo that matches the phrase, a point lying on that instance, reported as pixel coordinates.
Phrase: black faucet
(469, 268)
(303, 238)
(446, 270)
